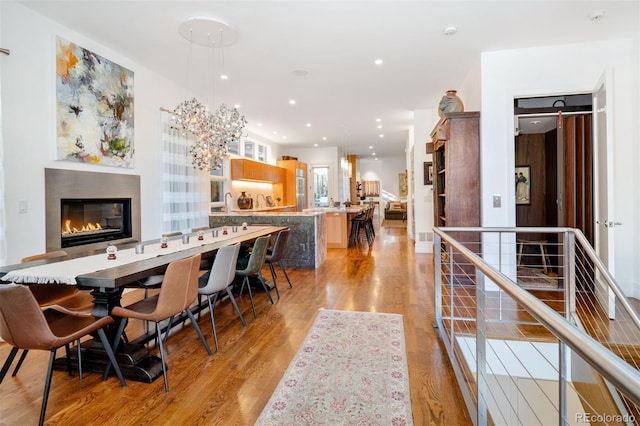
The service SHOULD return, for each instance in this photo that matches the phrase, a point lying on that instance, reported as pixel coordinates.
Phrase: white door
(603, 171)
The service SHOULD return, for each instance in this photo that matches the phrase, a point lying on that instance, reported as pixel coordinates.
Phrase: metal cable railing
(528, 351)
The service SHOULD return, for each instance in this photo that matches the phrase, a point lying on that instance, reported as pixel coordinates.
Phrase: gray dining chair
(276, 256)
(219, 280)
(254, 269)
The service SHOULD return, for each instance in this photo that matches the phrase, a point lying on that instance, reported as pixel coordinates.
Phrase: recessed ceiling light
(224, 77)
(379, 126)
(324, 138)
(381, 135)
(370, 146)
(535, 122)
(378, 120)
(308, 124)
(284, 137)
(300, 73)
(378, 62)
(373, 153)
(236, 106)
(292, 101)
(259, 124)
(597, 15)
(376, 158)
(275, 132)
(449, 31)
(315, 144)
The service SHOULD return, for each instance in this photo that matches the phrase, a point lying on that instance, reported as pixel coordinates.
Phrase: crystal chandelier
(225, 125)
(212, 132)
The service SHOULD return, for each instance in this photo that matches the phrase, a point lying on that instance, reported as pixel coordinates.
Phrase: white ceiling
(337, 43)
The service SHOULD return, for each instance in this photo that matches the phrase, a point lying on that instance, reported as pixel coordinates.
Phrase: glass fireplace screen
(87, 221)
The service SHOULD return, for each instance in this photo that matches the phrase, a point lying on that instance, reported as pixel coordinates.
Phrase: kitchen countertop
(354, 209)
(265, 213)
(261, 209)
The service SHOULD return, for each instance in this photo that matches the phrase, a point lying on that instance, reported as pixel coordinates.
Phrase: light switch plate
(497, 201)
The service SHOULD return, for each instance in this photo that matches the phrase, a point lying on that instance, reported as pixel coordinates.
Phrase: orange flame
(68, 229)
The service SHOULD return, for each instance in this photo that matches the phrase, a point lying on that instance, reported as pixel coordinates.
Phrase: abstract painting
(402, 184)
(94, 108)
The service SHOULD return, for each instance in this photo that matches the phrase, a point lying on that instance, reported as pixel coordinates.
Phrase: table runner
(66, 271)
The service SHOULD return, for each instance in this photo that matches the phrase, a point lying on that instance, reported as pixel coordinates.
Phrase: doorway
(320, 186)
(554, 143)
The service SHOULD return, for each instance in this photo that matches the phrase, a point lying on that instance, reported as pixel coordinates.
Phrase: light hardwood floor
(232, 386)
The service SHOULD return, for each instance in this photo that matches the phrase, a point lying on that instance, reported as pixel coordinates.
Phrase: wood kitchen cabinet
(250, 170)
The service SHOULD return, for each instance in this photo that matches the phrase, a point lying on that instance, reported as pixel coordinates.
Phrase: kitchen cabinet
(337, 234)
(295, 183)
(249, 170)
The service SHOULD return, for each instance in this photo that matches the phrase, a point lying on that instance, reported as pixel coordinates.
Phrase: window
(249, 149)
(184, 198)
(262, 153)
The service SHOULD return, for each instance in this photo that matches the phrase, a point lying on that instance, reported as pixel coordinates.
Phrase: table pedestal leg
(134, 360)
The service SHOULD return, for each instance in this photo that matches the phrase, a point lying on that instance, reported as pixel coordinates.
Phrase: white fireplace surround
(61, 184)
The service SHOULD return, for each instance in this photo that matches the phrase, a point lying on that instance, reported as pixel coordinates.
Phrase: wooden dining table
(108, 283)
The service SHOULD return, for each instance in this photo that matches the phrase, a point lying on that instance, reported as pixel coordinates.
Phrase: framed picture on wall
(523, 184)
(428, 173)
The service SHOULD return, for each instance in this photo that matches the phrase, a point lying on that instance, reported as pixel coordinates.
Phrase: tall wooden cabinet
(456, 184)
(456, 169)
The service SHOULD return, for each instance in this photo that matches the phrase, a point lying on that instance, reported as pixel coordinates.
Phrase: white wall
(560, 70)
(385, 170)
(28, 102)
(328, 156)
(424, 121)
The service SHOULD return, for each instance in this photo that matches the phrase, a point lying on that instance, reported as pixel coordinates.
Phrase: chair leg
(9, 360)
(235, 306)
(47, 386)
(164, 365)
(79, 359)
(266, 287)
(197, 327)
(253, 307)
(20, 361)
(111, 356)
(68, 354)
(213, 323)
(284, 271)
(273, 272)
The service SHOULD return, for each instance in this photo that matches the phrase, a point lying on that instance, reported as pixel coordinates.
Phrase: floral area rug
(350, 370)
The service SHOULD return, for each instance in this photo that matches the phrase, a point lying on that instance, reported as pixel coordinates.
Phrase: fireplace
(94, 220)
(87, 211)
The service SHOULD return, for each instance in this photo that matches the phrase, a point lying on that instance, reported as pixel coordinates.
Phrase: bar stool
(540, 244)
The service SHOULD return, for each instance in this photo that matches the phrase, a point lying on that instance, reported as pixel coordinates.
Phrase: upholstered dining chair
(61, 297)
(24, 325)
(178, 291)
(220, 279)
(276, 255)
(254, 269)
(155, 281)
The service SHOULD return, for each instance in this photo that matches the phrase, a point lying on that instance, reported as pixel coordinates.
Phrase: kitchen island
(307, 244)
(338, 223)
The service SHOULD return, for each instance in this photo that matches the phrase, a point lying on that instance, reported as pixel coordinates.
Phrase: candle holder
(111, 252)
(164, 242)
(224, 231)
(244, 226)
(200, 235)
